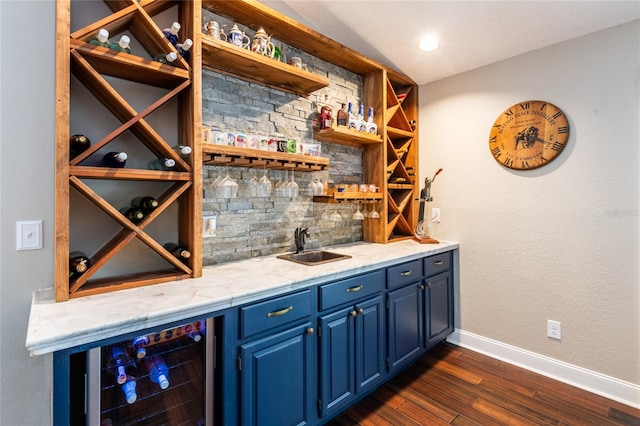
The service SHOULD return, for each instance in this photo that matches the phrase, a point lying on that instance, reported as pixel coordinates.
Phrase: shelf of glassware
(346, 136)
(349, 197)
(220, 155)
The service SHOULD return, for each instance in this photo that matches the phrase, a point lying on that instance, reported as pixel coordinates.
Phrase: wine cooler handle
(280, 312)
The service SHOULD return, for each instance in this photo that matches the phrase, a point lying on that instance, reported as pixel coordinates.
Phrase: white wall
(26, 193)
(560, 242)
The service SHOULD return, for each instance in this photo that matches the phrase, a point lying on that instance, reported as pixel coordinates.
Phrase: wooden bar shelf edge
(344, 135)
(220, 155)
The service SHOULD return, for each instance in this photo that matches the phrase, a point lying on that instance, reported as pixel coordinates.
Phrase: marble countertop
(56, 326)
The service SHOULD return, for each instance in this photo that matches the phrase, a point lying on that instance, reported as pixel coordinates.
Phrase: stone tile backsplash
(249, 227)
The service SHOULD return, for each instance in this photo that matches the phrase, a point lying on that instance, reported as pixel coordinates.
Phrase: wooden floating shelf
(346, 136)
(348, 197)
(223, 57)
(220, 155)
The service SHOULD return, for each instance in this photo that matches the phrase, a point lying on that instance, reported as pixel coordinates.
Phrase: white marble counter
(56, 326)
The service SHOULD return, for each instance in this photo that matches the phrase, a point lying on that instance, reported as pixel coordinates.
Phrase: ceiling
(471, 33)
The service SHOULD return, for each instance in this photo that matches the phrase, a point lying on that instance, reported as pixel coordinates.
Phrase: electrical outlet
(209, 226)
(29, 235)
(554, 329)
(435, 215)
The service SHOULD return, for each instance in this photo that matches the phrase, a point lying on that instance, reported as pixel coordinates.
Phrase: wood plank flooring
(456, 386)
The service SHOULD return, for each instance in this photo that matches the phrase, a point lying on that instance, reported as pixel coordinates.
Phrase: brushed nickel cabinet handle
(405, 273)
(310, 331)
(361, 311)
(353, 313)
(280, 312)
(421, 287)
(438, 263)
(354, 289)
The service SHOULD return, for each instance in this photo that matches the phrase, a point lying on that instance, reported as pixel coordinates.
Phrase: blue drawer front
(436, 264)
(351, 289)
(405, 273)
(273, 313)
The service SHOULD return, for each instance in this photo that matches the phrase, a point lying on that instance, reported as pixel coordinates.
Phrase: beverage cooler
(158, 378)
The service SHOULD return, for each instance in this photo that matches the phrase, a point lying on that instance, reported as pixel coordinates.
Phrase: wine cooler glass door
(158, 378)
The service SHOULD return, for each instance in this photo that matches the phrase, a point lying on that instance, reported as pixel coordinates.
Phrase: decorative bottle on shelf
(115, 159)
(134, 214)
(121, 45)
(138, 344)
(325, 114)
(101, 39)
(182, 150)
(172, 33)
(161, 164)
(178, 251)
(78, 144)
(168, 59)
(371, 126)
(117, 364)
(352, 119)
(78, 263)
(183, 48)
(146, 204)
(361, 125)
(342, 117)
(158, 371)
(129, 389)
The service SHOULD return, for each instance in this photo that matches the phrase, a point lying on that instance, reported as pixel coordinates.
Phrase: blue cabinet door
(370, 353)
(277, 379)
(405, 325)
(337, 375)
(439, 301)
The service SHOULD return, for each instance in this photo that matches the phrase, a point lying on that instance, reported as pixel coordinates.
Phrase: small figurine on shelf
(213, 29)
(238, 38)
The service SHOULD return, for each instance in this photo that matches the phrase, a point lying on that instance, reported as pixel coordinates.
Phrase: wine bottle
(158, 371)
(172, 33)
(134, 214)
(146, 204)
(161, 164)
(78, 263)
(121, 45)
(115, 159)
(129, 389)
(169, 58)
(78, 144)
(371, 126)
(183, 48)
(117, 364)
(360, 123)
(342, 117)
(325, 115)
(178, 251)
(138, 344)
(101, 39)
(182, 150)
(352, 118)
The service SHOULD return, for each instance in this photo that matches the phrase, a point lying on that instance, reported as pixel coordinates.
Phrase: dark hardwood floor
(456, 386)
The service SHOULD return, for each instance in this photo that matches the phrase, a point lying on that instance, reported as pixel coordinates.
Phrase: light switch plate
(29, 235)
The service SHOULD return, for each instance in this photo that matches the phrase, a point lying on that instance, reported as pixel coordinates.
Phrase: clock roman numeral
(524, 164)
(508, 112)
(557, 146)
(508, 162)
(557, 114)
(543, 106)
(563, 129)
(525, 105)
(493, 139)
(496, 151)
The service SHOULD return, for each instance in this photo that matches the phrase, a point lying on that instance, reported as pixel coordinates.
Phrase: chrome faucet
(300, 235)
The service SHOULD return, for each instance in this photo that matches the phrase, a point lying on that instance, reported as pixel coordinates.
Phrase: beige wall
(559, 242)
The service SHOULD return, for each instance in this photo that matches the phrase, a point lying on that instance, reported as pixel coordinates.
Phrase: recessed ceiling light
(428, 43)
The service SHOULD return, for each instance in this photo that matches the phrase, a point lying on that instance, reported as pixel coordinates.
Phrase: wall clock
(528, 135)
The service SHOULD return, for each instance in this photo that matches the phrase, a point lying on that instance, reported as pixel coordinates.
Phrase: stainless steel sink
(315, 257)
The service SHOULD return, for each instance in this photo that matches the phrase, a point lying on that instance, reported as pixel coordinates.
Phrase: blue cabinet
(439, 303)
(406, 325)
(352, 340)
(277, 379)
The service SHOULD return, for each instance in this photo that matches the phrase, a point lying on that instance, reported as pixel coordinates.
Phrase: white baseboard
(600, 384)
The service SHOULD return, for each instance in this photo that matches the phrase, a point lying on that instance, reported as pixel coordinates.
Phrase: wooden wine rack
(90, 65)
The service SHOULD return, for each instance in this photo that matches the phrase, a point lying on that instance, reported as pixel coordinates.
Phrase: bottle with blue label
(184, 49)
(371, 126)
(117, 364)
(158, 371)
(361, 125)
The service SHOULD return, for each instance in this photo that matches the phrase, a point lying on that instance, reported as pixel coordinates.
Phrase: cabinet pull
(310, 331)
(353, 313)
(361, 311)
(438, 263)
(405, 273)
(280, 312)
(354, 289)
(421, 287)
